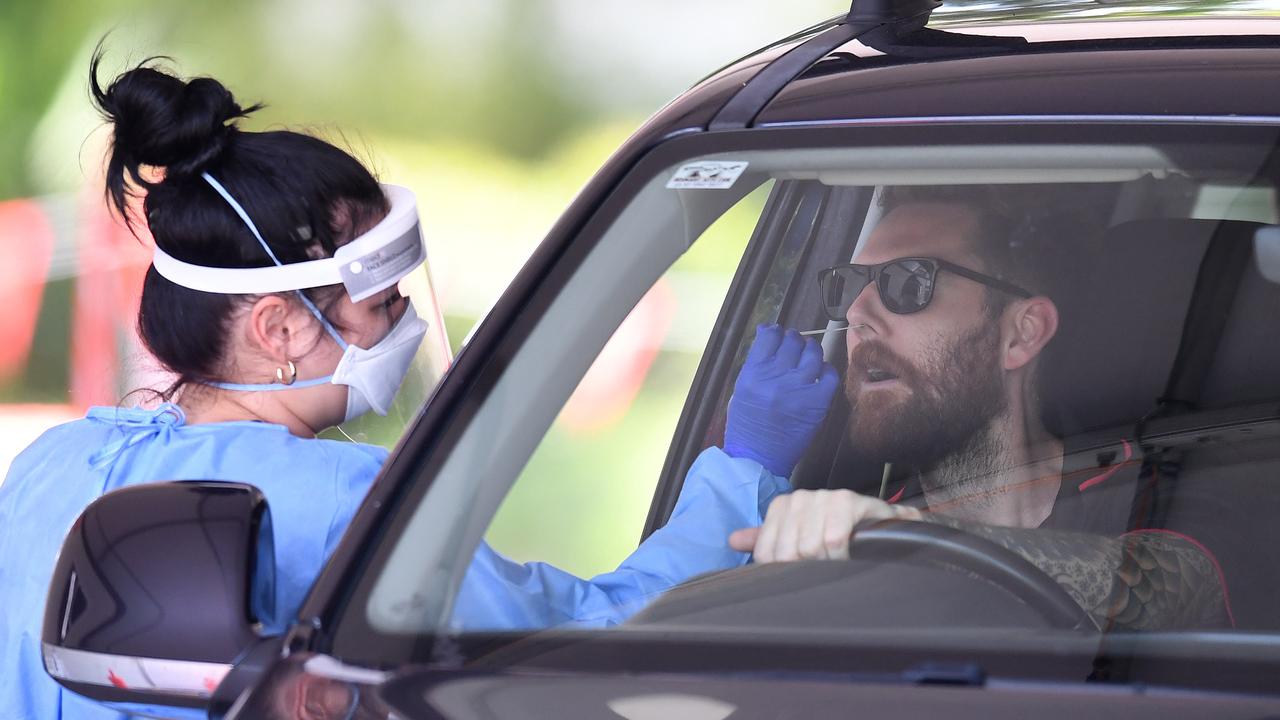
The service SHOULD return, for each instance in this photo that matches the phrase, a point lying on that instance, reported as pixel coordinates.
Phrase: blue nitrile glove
(779, 399)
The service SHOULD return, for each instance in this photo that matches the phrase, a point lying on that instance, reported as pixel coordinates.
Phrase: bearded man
(946, 329)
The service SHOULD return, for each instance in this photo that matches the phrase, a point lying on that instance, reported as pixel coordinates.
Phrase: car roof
(1124, 66)
(1214, 66)
(1133, 81)
(953, 14)
(1121, 28)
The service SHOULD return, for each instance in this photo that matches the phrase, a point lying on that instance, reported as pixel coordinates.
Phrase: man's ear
(279, 328)
(1029, 325)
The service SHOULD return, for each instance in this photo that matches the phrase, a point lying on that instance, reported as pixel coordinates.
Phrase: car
(1135, 163)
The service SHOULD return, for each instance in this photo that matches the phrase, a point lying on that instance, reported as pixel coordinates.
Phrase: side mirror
(158, 591)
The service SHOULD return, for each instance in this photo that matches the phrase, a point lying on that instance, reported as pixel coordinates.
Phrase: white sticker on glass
(707, 174)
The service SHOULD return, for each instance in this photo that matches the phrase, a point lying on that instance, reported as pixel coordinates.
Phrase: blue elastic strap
(254, 387)
(243, 215)
(254, 229)
(355, 701)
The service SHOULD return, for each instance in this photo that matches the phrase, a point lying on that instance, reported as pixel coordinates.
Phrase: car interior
(1161, 376)
(1163, 254)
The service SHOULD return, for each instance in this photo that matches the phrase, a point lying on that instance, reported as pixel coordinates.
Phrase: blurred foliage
(38, 43)
(373, 69)
(382, 77)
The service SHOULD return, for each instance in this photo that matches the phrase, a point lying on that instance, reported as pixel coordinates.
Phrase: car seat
(1210, 457)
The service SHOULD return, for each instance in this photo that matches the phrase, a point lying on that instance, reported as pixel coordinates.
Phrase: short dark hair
(306, 196)
(1009, 241)
(1030, 235)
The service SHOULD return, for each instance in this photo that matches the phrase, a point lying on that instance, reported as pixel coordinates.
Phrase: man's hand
(779, 399)
(813, 525)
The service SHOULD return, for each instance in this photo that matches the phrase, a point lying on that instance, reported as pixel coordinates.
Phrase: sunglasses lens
(840, 287)
(906, 286)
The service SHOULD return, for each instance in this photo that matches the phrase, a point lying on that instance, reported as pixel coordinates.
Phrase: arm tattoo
(1139, 581)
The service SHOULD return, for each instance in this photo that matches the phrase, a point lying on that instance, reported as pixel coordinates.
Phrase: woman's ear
(322, 699)
(1029, 325)
(280, 329)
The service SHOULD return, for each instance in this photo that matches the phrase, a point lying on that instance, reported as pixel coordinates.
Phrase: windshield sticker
(707, 175)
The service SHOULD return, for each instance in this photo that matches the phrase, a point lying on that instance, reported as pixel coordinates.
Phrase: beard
(954, 396)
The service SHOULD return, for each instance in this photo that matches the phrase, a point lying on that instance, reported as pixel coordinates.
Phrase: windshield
(1036, 388)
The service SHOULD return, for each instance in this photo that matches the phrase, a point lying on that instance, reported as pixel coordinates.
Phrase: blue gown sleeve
(351, 484)
(720, 494)
(309, 521)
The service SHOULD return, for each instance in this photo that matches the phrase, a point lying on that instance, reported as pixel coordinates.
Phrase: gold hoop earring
(293, 374)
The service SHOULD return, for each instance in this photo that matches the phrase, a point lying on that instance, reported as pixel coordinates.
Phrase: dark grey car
(1141, 155)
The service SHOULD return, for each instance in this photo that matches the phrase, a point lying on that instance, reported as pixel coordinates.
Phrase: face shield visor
(428, 364)
(394, 376)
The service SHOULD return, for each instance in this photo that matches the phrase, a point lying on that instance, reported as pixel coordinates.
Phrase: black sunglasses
(905, 284)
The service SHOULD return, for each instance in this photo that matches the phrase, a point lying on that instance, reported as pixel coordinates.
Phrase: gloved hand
(779, 399)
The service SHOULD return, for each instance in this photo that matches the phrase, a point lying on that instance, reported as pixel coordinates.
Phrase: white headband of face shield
(367, 265)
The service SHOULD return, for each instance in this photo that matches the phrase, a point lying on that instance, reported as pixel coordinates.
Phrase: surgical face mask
(374, 375)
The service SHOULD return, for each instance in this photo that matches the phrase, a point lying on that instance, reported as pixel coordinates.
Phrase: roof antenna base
(898, 28)
(908, 14)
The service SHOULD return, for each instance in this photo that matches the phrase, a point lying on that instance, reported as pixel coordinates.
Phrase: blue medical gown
(720, 494)
(313, 487)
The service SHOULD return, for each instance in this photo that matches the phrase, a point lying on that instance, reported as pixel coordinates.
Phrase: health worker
(277, 299)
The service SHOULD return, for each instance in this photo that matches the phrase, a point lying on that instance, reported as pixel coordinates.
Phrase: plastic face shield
(392, 253)
(430, 362)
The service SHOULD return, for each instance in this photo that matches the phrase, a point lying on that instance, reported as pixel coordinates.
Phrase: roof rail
(897, 28)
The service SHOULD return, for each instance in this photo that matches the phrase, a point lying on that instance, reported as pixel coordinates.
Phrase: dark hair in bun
(163, 122)
(306, 196)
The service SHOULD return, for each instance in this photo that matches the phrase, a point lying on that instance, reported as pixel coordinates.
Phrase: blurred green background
(494, 112)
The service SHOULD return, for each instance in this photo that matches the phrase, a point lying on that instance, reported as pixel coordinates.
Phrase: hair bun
(164, 121)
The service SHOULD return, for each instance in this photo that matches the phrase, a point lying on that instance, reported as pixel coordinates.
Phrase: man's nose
(865, 314)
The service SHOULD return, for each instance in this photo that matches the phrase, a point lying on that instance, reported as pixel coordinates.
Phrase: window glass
(1225, 202)
(1048, 378)
(581, 502)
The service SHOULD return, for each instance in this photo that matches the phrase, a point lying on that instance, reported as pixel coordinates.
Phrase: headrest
(1123, 303)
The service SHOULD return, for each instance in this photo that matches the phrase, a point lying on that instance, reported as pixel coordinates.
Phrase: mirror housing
(158, 591)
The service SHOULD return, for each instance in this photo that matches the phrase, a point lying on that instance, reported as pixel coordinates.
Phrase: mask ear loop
(355, 701)
(217, 186)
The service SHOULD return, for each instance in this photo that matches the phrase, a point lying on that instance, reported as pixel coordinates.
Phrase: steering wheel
(897, 552)
(943, 545)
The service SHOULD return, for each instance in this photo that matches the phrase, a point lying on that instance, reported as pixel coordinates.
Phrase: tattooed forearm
(1138, 581)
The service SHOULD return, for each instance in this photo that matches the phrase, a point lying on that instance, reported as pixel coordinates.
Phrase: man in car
(947, 325)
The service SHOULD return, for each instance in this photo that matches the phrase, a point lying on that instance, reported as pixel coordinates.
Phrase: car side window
(582, 499)
(1097, 276)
